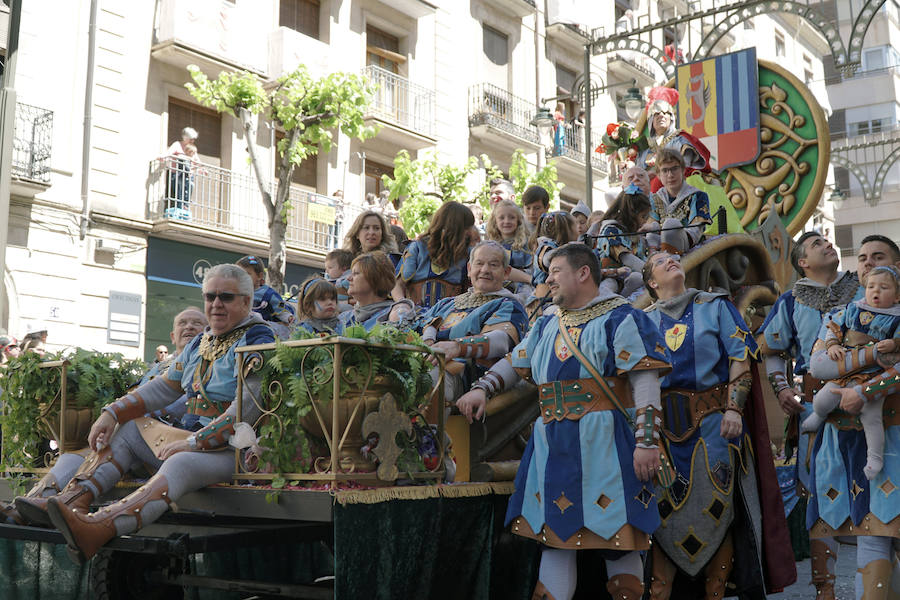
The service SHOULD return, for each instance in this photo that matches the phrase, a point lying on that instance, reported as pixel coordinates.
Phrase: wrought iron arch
(642, 47)
(815, 18)
(840, 161)
(846, 56)
(881, 174)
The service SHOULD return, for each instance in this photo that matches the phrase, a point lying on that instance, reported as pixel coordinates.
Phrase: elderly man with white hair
(206, 371)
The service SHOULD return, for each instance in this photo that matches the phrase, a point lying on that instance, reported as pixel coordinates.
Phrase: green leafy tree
(423, 184)
(308, 110)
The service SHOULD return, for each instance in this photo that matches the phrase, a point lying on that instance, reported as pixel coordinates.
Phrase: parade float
(347, 478)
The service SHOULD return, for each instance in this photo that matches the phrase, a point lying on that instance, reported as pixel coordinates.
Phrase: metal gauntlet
(738, 391)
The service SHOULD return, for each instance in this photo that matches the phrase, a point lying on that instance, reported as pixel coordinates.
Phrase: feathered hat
(661, 99)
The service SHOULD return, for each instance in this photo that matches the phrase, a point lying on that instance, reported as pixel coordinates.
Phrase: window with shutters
(565, 86)
(837, 123)
(843, 237)
(300, 15)
(495, 46)
(842, 180)
(383, 50)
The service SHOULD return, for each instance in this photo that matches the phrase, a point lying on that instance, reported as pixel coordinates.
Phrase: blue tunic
(214, 382)
(586, 459)
(462, 316)
(539, 273)
(522, 260)
(426, 282)
(271, 306)
(612, 243)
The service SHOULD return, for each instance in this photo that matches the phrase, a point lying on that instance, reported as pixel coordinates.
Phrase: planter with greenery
(32, 393)
(298, 384)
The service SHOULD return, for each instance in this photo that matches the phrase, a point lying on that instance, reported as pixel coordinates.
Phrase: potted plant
(32, 397)
(298, 385)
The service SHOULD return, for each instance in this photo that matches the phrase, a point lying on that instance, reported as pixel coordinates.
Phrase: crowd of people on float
(651, 426)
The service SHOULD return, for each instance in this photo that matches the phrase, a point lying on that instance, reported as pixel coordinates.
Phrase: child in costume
(318, 306)
(855, 335)
(337, 271)
(508, 227)
(266, 301)
(554, 229)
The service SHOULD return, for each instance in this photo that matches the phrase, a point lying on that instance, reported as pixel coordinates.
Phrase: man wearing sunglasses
(206, 371)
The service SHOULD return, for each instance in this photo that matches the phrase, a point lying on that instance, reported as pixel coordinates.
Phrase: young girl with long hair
(507, 226)
(434, 264)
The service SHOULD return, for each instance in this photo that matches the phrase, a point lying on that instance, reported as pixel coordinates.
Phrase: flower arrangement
(622, 139)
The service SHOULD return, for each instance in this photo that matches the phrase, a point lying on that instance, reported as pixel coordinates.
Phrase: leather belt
(574, 398)
(846, 422)
(197, 405)
(683, 410)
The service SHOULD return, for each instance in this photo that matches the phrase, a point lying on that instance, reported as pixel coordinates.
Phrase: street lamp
(632, 102)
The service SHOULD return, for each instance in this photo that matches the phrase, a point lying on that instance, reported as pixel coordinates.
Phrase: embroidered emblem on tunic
(675, 336)
(562, 350)
(452, 319)
(866, 317)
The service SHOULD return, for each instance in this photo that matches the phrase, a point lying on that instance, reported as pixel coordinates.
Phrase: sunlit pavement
(803, 590)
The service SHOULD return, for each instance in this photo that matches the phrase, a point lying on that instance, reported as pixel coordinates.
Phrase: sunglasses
(225, 297)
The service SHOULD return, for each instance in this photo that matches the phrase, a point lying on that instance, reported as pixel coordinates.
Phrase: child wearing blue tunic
(337, 271)
(868, 326)
(507, 226)
(266, 301)
(554, 229)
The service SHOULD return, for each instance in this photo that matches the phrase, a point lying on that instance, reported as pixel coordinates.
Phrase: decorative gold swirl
(779, 169)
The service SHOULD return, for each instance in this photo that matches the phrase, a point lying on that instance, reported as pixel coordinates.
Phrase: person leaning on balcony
(371, 281)
(31, 509)
(434, 264)
(207, 372)
(178, 162)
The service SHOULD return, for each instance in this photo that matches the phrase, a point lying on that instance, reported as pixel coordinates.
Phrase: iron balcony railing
(226, 201)
(494, 106)
(568, 141)
(400, 101)
(32, 141)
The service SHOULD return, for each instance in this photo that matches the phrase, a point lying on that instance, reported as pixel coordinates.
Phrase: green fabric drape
(799, 533)
(36, 571)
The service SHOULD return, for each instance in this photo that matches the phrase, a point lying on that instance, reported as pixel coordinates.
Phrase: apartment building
(867, 113)
(102, 253)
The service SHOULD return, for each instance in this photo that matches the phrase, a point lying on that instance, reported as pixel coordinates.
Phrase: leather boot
(625, 586)
(541, 593)
(662, 574)
(876, 579)
(822, 577)
(8, 509)
(718, 569)
(75, 495)
(87, 533)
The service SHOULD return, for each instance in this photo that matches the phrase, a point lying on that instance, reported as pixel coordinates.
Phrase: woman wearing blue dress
(712, 515)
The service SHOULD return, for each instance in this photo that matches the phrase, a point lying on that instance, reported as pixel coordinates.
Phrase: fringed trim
(457, 490)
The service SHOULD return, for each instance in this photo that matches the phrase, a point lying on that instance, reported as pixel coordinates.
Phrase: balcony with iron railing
(568, 142)
(225, 202)
(492, 107)
(400, 102)
(32, 142)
